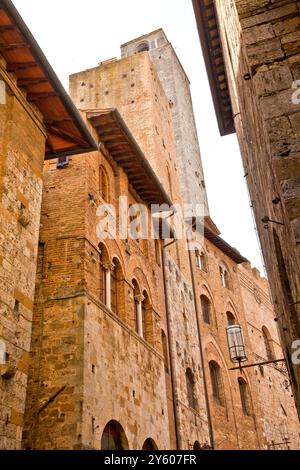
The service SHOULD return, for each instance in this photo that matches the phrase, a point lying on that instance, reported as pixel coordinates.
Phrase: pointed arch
(149, 444)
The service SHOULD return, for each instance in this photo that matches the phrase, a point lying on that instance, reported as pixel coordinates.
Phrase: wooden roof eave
(129, 155)
(49, 79)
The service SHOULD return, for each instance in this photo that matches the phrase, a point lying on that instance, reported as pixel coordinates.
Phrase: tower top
(143, 43)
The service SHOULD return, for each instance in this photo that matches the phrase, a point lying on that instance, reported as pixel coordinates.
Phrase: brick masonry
(261, 38)
(22, 147)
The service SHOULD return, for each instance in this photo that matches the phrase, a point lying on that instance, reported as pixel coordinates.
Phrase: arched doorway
(149, 444)
(114, 437)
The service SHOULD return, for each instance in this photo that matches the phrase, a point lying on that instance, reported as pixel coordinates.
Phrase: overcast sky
(78, 34)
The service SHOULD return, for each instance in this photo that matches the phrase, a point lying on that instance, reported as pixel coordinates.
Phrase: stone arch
(114, 437)
(149, 444)
(143, 47)
(143, 282)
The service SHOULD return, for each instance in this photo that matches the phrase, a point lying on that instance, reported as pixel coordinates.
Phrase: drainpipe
(170, 343)
(210, 428)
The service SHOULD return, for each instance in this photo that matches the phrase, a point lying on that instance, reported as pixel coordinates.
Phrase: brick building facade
(123, 345)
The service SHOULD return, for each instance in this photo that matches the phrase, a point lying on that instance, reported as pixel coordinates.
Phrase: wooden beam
(53, 120)
(11, 46)
(13, 66)
(67, 136)
(32, 81)
(8, 27)
(40, 96)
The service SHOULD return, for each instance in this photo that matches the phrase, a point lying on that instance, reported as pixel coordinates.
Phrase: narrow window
(244, 394)
(190, 387)
(206, 309)
(216, 382)
(230, 319)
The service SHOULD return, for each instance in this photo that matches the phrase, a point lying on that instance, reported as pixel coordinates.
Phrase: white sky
(77, 34)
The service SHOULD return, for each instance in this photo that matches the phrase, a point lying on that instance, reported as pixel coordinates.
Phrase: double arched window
(224, 275)
(201, 260)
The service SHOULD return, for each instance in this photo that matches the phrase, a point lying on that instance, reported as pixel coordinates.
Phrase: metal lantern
(236, 344)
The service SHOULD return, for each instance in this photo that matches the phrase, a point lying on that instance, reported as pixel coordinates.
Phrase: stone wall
(22, 146)
(247, 299)
(261, 47)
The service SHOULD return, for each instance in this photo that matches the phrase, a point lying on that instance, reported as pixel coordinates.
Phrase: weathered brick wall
(232, 429)
(22, 146)
(277, 413)
(148, 114)
(248, 300)
(261, 42)
(107, 370)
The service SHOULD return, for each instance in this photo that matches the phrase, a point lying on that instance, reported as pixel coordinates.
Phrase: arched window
(165, 350)
(245, 398)
(216, 382)
(230, 319)
(268, 344)
(143, 47)
(114, 437)
(116, 279)
(103, 184)
(104, 261)
(149, 444)
(190, 389)
(224, 276)
(206, 308)
(201, 261)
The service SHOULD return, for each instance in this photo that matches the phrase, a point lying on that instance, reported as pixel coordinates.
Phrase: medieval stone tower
(177, 88)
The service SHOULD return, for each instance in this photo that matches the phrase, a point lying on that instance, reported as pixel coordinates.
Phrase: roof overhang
(125, 151)
(67, 132)
(208, 27)
(218, 241)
